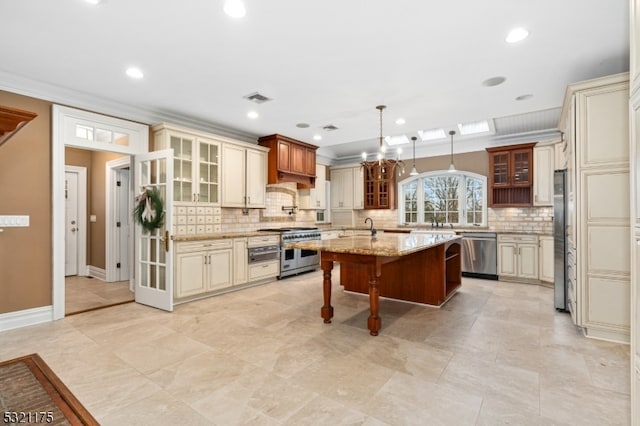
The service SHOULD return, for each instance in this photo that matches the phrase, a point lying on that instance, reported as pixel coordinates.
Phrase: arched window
(441, 196)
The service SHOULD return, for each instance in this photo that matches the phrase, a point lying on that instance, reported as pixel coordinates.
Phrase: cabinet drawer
(516, 238)
(263, 270)
(266, 240)
(184, 247)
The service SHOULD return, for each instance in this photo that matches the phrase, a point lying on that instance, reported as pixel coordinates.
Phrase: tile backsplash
(537, 220)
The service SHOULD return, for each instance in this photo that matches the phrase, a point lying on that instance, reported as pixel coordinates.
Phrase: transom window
(458, 198)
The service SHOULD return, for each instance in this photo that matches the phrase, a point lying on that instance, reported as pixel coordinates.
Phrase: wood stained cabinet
(290, 160)
(511, 175)
(379, 187)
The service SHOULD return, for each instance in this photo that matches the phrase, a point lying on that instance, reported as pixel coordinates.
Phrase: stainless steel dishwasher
(480, 255)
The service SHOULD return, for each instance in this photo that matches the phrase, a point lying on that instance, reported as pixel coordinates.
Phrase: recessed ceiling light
(134, 72)
(432, 134)
(400, 121)
(396, 140)
(252, 114)
(516, 35)
(234, 8)
(302, 125)
(524, 97)
(93, 2)
(317, 137)
(494, 81)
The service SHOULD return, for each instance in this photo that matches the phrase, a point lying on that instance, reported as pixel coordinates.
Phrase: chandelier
(381, 165)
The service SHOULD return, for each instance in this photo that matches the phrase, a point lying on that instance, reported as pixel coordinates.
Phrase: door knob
(73, 229)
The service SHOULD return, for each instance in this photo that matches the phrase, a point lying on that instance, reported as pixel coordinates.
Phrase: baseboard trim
(25, 318)
(96, 272)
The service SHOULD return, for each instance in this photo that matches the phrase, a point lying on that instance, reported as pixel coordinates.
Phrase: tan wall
(25, 189)
(476, 162)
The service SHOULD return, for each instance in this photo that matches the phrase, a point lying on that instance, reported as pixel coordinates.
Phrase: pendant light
(452, 168)
(414, 172)
(382, 164)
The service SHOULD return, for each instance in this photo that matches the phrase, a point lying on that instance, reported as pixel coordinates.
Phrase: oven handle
(265, 252)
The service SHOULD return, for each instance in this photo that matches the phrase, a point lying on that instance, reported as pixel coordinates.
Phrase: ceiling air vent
(329, 127)
(257, 98)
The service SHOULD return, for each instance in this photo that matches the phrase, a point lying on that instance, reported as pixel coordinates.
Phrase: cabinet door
(499, 168)
(256, 178)
(183, 167)
(527, 261)
(356, 184)
(342, 190)
(233, 176)
(336, 188)
(298, 159)
(546, 259)
(319, 193)
(521, 167)
(284, 156)
(240, 261)
(507, 259)
(190, 274)
(219, 269)
(543, 175)
(208, 172)
(310, 160)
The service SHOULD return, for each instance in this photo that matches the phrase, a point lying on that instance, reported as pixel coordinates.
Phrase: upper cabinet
(196, 164)
(511, 175)
(290, 160)
(379, 187)
(12, 120)
(244, 176)
(543, 166)
(315, 198)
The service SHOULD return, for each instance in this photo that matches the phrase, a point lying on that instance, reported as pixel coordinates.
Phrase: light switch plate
(13, 221)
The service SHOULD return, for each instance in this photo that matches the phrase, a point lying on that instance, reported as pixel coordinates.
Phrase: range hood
(12, 120)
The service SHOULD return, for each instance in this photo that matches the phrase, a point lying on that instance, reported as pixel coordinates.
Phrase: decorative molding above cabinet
(290, 160)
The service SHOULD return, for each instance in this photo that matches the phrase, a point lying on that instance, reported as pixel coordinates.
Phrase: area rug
(30, 392)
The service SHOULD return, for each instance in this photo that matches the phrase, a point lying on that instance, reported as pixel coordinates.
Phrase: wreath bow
(149, 211)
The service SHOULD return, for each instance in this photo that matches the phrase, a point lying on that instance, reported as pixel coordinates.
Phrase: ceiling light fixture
(252, 115)
(94, 2)
(234, 8)
(516, 35)
(400, 121)
(134, 72)
(414, 172)
(317, 137)
(452, 168)
(383, 164)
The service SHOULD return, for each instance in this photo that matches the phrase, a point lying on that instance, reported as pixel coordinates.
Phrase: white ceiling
(322, 62)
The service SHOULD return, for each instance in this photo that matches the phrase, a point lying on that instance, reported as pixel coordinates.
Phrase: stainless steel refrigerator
(559, 239)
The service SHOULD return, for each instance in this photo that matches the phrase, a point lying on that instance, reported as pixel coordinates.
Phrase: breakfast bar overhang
(420, 268)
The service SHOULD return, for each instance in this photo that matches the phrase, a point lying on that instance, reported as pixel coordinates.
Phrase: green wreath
(149, 211)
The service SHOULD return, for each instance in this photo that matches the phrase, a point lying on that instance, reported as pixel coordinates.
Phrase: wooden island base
(429, 276)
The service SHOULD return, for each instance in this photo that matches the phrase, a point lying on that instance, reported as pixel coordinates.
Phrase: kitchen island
(420, 268)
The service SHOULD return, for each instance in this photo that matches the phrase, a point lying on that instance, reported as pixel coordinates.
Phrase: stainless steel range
(295, 261)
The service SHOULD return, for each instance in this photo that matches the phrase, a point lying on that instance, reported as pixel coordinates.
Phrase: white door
(154, 250)
(123, 223)
(71, 223)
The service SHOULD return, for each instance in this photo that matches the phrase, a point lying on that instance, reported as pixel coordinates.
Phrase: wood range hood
(290, 160)
(12, 120)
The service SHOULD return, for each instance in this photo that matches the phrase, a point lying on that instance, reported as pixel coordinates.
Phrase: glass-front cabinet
(196, 162)
(511, 175)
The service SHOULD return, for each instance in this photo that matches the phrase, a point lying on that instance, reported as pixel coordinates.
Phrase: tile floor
(82, 293)
(496, 353)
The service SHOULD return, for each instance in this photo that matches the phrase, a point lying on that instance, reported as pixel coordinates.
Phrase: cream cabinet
(202, 267)
(634, 167)
(240, 259)
(315, 198)
(546, 259)
(347, 188)
(518, 256)
(196, 163)
(543, 166)
(595, 121)
(244, 176)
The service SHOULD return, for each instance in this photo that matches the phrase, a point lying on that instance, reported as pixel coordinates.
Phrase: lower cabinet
(518, 256)
(546, 273)
(208, 266)
(203, 267)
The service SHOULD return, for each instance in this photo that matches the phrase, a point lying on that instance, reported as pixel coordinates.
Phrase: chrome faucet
(371, 228)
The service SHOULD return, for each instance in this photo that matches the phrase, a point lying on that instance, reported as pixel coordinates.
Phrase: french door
(154, 250)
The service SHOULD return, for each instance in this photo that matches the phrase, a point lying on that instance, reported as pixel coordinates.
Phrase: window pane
(411, 202)
(441, 198)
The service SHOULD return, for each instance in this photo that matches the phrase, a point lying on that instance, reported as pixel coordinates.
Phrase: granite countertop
(220, 236)
(382, 245)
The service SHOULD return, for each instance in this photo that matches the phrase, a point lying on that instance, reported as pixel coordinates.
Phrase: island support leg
(326, 312)
(374, 323)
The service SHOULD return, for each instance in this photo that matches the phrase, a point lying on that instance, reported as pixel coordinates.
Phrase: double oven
(292, 260)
